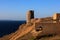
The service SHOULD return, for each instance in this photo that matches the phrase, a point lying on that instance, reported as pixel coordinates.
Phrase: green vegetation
(45, 37)
(32, 38)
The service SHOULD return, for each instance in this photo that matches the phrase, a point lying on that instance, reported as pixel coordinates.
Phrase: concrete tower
(29, 16)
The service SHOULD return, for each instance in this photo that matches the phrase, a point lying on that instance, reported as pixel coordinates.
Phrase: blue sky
(16, 9)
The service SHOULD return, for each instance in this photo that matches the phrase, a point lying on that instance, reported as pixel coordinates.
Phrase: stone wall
(49, 28)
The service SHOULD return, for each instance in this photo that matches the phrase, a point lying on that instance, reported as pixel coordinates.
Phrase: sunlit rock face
(47, 25)
(38, 26)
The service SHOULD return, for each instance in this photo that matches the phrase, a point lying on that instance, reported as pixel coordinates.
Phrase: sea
(8, 26)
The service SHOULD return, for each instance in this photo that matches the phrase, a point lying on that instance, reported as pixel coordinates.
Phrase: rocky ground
(45, 37)
(30, 37)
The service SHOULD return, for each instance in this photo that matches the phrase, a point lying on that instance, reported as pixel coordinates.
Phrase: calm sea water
(7, 27)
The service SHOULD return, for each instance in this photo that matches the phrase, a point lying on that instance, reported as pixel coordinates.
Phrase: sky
(16, 9)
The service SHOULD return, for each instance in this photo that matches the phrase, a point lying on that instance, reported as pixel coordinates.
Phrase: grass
(32, 38)
(44, 37)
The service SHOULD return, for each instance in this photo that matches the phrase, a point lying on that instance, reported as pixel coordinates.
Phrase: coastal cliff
(47, 28)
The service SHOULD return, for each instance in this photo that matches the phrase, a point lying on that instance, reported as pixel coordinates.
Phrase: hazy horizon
(16, 9)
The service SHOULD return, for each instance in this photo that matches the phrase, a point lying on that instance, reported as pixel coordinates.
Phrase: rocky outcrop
(37, 27)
